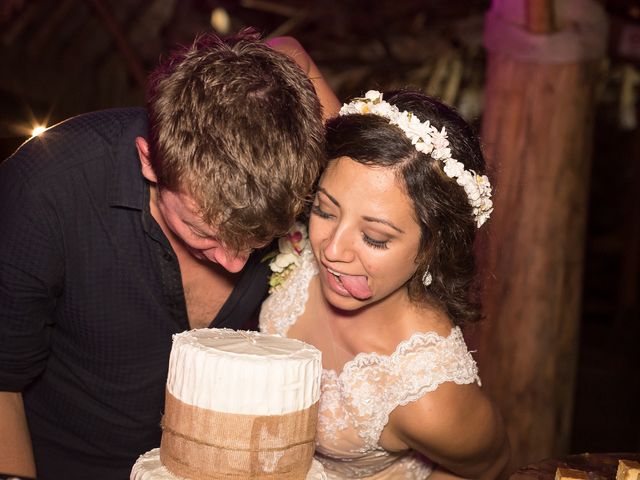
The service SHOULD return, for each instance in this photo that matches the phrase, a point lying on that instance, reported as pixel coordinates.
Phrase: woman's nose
(338, 246)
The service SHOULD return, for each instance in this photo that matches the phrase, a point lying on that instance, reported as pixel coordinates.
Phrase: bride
(382, 287)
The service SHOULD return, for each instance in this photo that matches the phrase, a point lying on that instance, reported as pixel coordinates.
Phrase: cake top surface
(243, 343)
(244, 372)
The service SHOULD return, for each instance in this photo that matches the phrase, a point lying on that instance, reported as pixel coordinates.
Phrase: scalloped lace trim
(284, 306)
(360, 399)
(371, 385)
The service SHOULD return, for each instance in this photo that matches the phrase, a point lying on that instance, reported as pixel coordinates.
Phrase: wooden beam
(537, 129)
(540, 15)
(132, 61)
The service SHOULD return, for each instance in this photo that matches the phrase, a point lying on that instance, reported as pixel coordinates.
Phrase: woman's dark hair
(441, 205)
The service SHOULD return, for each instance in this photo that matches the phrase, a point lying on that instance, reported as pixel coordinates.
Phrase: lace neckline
(370, 385)
(283, 309)
(368, 358)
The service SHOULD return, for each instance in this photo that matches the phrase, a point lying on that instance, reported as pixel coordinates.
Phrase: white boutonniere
(287, 258)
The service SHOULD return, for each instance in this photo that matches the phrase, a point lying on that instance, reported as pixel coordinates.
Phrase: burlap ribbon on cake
(202, 444)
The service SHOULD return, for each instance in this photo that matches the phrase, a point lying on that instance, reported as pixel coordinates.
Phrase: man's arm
(31, 269)
(16, 454)
(292, 48)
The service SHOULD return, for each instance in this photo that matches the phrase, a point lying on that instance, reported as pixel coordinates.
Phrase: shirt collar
(129, 188)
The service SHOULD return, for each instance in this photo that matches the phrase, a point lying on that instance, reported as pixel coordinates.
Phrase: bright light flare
(220, 20)
(37, 130)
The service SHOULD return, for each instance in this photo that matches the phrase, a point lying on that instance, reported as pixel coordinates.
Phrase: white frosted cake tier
(149, 467)
(244, 372)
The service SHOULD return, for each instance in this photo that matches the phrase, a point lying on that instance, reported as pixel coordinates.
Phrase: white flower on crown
(441, 150)
(453, 168)
(414, 129)
(373, 96)
(427, 139)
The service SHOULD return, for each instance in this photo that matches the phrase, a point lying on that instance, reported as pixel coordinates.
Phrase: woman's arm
(291, 47)
(458, 428)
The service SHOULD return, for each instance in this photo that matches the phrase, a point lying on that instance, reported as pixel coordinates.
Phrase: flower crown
(427, 139)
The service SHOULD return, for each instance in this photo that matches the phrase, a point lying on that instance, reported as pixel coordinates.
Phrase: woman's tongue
(356, 285)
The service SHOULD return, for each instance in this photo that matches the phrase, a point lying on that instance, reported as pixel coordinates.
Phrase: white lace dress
(355, 404)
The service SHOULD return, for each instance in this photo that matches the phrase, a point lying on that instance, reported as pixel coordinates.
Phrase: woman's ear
(145, 160)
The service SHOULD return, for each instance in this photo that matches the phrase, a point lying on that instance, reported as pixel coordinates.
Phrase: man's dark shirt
(90, 295)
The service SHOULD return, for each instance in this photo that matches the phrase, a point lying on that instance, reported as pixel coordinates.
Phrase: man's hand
(293, 49)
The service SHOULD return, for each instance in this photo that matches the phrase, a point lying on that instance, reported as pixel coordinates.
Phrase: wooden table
(599, 466)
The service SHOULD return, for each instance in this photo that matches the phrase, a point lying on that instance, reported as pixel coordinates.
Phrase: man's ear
(145, 160)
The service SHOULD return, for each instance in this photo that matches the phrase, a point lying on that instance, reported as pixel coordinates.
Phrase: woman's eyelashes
(318, 211)
(372, 242)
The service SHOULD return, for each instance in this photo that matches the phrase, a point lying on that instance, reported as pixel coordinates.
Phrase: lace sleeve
(374, 385)
(284, 306)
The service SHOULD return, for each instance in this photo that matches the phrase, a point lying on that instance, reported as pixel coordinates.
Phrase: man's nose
(230, 261)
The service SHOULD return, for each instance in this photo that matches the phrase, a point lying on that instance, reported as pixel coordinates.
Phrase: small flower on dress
(287, 258)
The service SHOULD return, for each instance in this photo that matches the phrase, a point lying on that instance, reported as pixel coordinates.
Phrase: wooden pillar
(537, 133)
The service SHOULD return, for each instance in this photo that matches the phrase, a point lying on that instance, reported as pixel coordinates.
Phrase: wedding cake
(238, 405)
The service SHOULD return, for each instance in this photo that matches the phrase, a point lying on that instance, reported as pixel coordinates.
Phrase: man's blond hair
(238, 126)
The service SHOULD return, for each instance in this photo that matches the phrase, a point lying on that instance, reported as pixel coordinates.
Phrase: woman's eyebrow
(383, 221)
(333, 200)
(367, 218)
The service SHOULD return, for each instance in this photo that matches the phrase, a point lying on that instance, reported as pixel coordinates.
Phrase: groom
(122, 227)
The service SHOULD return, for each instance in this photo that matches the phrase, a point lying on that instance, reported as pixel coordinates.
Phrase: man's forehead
(196, 219)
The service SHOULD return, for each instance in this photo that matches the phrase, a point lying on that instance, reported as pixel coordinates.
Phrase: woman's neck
(379, 326)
